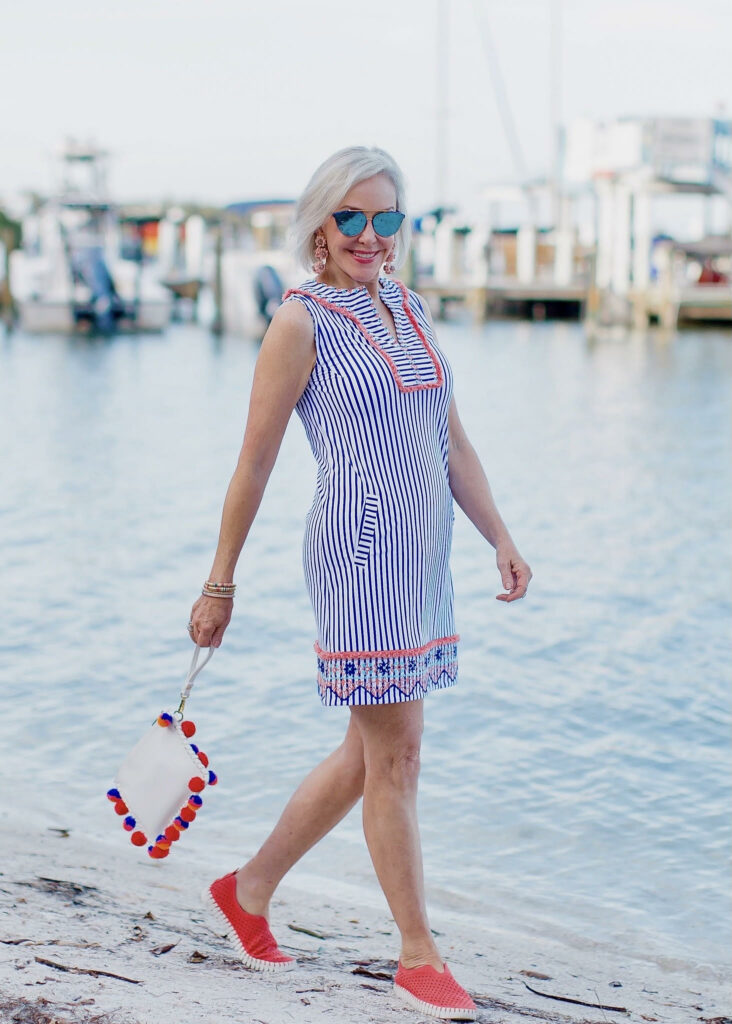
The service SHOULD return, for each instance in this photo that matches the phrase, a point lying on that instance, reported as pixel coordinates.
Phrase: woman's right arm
(286, 360)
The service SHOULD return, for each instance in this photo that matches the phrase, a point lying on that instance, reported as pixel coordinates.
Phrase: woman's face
(360, 258)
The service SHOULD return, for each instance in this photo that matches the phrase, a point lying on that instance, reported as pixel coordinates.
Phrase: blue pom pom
(195, 799)
(130, 821)
(212, 778)
(114, 794)
(194, 748)
(181, 822)
(166, 716)
(161, 837)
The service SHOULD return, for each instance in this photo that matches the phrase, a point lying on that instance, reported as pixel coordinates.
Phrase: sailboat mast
(442, 145)
(555, 101)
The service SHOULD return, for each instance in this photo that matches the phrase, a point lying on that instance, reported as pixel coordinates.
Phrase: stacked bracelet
(225, 590)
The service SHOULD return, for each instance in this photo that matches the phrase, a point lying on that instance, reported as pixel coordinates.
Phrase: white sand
(108, 907)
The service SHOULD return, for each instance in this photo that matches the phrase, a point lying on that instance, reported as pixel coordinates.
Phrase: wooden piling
(217, 326)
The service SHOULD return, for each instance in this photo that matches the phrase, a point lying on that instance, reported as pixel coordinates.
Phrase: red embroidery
(374, 343)
(385, 654)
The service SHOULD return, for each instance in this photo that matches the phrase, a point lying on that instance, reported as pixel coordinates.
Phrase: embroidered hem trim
(437, 383)
(386, 677)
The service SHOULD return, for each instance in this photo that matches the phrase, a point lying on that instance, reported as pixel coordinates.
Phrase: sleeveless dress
(378, 534)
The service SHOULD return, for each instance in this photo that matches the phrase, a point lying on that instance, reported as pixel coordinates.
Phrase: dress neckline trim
(406, 308)
(313, 281)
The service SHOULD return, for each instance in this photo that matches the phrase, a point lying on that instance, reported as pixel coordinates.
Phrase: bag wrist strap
(192, 673)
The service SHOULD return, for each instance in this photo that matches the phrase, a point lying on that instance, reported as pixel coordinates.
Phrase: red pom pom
(120, 807)
(188, 729)
(187, 814)
(196, 784)
(138, 838)
(203, 759)
(157, 854)
(127, 827)
(171, 833)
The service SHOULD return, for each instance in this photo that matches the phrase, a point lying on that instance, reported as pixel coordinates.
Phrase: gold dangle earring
(321, 254)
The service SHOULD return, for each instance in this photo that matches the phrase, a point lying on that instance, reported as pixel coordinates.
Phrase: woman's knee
(397, 764)
(391, 738)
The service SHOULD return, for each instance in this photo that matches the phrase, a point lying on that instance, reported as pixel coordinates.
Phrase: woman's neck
(336, 278)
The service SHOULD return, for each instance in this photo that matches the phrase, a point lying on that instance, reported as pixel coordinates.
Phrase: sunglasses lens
(350, 222)
(387, 223)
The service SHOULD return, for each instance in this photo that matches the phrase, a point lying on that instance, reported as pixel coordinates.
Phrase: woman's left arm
(472, 492)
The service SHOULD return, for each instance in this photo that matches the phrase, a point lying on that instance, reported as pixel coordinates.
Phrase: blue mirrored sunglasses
(352, 222)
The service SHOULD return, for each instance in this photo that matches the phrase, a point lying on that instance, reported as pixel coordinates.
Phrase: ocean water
(576, 781)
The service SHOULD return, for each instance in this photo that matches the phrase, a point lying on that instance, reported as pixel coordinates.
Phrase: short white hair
(329, 185)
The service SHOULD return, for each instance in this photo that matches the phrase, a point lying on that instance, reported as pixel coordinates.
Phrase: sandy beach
(93, 932)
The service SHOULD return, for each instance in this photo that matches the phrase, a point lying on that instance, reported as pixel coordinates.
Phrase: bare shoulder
(294, 319)
(290, 335)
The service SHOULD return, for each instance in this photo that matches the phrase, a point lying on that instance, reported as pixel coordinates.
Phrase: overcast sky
(227, 99)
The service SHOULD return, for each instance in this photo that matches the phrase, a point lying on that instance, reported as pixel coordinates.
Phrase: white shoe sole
(443, 1012)
(252, 962)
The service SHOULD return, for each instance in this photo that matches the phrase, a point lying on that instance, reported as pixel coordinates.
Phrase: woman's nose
(368, 234)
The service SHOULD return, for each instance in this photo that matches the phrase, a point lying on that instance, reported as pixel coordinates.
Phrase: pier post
(217, 324)
(641, 255)
(526, 253)
(603, 263)
(7, 305)
(620, 278)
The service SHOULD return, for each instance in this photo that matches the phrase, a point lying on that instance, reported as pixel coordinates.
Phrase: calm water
(578, 777)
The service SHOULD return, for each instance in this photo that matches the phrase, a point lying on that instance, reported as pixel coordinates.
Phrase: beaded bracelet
(219, 589)
(209, 593)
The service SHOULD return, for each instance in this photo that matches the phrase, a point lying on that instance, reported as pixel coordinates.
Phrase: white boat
(256, 265)
(72, 273)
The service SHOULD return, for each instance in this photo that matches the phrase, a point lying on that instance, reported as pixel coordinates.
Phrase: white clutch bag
(159, 785)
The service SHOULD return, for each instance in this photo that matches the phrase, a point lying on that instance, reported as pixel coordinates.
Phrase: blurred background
(569, 171)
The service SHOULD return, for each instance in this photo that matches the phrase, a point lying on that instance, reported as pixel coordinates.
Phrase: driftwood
(307, 931)
(577, 1002)
(84, 970)
(366, 973)
(159, 950)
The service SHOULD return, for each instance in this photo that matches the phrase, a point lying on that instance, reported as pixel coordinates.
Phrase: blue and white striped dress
(378, 534)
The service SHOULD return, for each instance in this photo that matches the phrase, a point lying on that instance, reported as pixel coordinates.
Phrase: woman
(354, 353)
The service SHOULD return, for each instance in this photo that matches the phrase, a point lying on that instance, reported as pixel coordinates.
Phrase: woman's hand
(514, 571)
(209, 618)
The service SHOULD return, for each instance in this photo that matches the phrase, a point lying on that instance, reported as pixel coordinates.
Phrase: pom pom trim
(201, 777)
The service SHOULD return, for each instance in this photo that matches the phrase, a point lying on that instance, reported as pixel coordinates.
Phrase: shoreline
(73, 905)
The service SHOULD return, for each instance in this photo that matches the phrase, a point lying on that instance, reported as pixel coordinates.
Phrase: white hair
(329, 185)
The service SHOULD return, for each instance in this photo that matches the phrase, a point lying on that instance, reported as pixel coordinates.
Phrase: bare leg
(324, 797)
(391, 736)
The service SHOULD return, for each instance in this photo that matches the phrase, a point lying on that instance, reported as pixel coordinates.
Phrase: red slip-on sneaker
(248, 933)
(434, 993)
